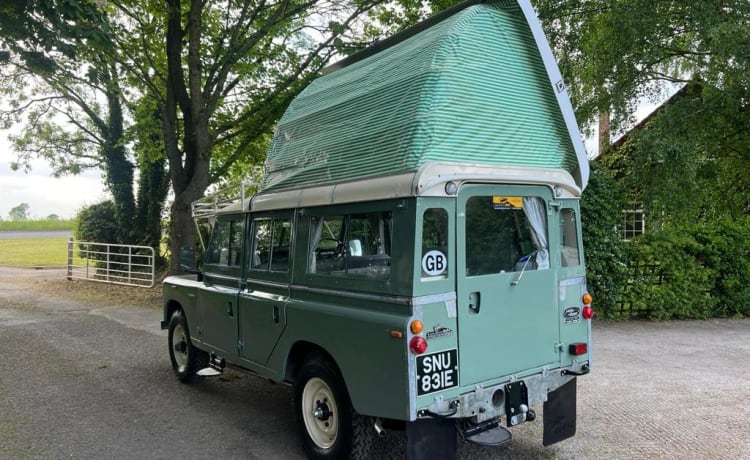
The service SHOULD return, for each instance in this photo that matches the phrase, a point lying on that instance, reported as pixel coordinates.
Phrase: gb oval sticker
(434, 263)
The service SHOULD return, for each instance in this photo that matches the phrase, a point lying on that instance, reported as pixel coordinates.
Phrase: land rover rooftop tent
(474, 84)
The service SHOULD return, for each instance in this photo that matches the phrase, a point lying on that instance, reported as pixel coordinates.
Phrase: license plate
(437, 371)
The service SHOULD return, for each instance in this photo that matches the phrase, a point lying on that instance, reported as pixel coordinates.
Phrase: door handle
(475, 299)
(275, 314)
(230, 309)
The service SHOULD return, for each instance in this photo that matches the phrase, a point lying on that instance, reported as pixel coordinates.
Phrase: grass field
(31, 225)
(34, 252)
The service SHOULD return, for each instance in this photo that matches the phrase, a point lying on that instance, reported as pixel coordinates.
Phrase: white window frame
(629, 228)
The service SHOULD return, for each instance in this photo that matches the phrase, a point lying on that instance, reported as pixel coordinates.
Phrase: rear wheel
(186, 359)
(326, 422)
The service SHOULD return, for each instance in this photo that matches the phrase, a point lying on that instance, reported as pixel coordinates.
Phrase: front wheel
(186, 359)
(328, 426)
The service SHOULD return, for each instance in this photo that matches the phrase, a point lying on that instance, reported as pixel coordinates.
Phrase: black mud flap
(560, 414)
(432, 439)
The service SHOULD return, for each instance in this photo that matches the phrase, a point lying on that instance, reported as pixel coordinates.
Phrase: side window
(271, 241)
(326, 256)
(435, 243)
(505, 234)
(225, 247)
(570, 255)
(353, 246)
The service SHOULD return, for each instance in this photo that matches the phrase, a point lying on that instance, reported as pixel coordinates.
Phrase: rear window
(505, 234)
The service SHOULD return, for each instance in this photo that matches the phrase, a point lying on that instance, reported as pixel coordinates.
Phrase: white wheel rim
(320, 413)
(179, 351)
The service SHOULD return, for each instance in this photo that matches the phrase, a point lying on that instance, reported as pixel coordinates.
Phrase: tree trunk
(153, 185)
(118, 168)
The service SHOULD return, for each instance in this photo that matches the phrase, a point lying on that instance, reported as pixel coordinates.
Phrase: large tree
(221, 73)
(210, 77)
(61, 83)
(690, 161)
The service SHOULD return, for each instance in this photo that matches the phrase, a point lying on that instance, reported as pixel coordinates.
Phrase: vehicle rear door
(506, 286)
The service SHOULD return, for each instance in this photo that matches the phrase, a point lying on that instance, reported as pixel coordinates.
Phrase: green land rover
(413, 260)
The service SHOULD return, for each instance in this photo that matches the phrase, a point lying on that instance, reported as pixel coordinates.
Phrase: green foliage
(701, 271)
(683, 285)
(96, 223)
(20, 212)
(726, 253)
(688, 162)
(613, 54)
(606, 254)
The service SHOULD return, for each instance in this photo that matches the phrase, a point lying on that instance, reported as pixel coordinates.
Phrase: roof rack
(234, 197)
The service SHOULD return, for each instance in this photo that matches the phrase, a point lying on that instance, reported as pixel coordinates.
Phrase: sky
(43, 193)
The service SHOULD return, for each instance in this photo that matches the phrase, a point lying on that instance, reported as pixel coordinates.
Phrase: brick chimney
(603, 131)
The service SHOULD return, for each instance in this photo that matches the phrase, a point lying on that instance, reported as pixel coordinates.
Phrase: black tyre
(186, 359)
(326, 423)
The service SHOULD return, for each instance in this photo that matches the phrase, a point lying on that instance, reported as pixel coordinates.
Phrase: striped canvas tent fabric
(472, 88)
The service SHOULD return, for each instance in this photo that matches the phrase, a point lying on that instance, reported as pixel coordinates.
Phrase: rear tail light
(587, 312)
(418, 345)
(578, 348)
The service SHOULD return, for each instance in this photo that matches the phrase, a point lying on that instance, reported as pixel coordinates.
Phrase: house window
(634, 223)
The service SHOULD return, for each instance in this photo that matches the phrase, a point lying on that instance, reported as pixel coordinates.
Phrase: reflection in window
(225, 247)
(569, 239)
(435, 243)
(354, 246)
(500, 236)
(271, 245)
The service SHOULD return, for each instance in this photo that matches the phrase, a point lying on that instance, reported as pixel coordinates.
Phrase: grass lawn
(34, 252)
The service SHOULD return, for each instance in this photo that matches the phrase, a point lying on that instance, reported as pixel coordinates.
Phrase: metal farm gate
(111, 263)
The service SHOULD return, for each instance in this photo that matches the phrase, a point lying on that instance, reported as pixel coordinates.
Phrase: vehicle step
(488, 434)
(209, 372)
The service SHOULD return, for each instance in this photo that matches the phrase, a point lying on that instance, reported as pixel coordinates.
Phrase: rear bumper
(488, 402)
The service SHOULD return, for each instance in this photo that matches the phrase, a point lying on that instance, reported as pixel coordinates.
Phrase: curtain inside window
(536, 213)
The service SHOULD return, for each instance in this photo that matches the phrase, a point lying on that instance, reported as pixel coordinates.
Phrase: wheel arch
(170, 306)
(302, 351)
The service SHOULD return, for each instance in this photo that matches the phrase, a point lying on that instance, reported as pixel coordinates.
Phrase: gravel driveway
(90, 378)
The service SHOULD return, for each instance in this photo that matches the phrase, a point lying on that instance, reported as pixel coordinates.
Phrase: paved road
(6, 235)
(80, 381)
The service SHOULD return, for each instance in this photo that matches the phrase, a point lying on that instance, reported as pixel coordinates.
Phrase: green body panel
(262, 319)
(216, 314)
(472, 88)
(355, 332)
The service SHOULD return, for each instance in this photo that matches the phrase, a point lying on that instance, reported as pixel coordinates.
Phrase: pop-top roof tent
(474, 84)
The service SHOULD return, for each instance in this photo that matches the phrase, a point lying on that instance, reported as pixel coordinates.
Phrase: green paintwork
(523, 318)
(472, 88)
